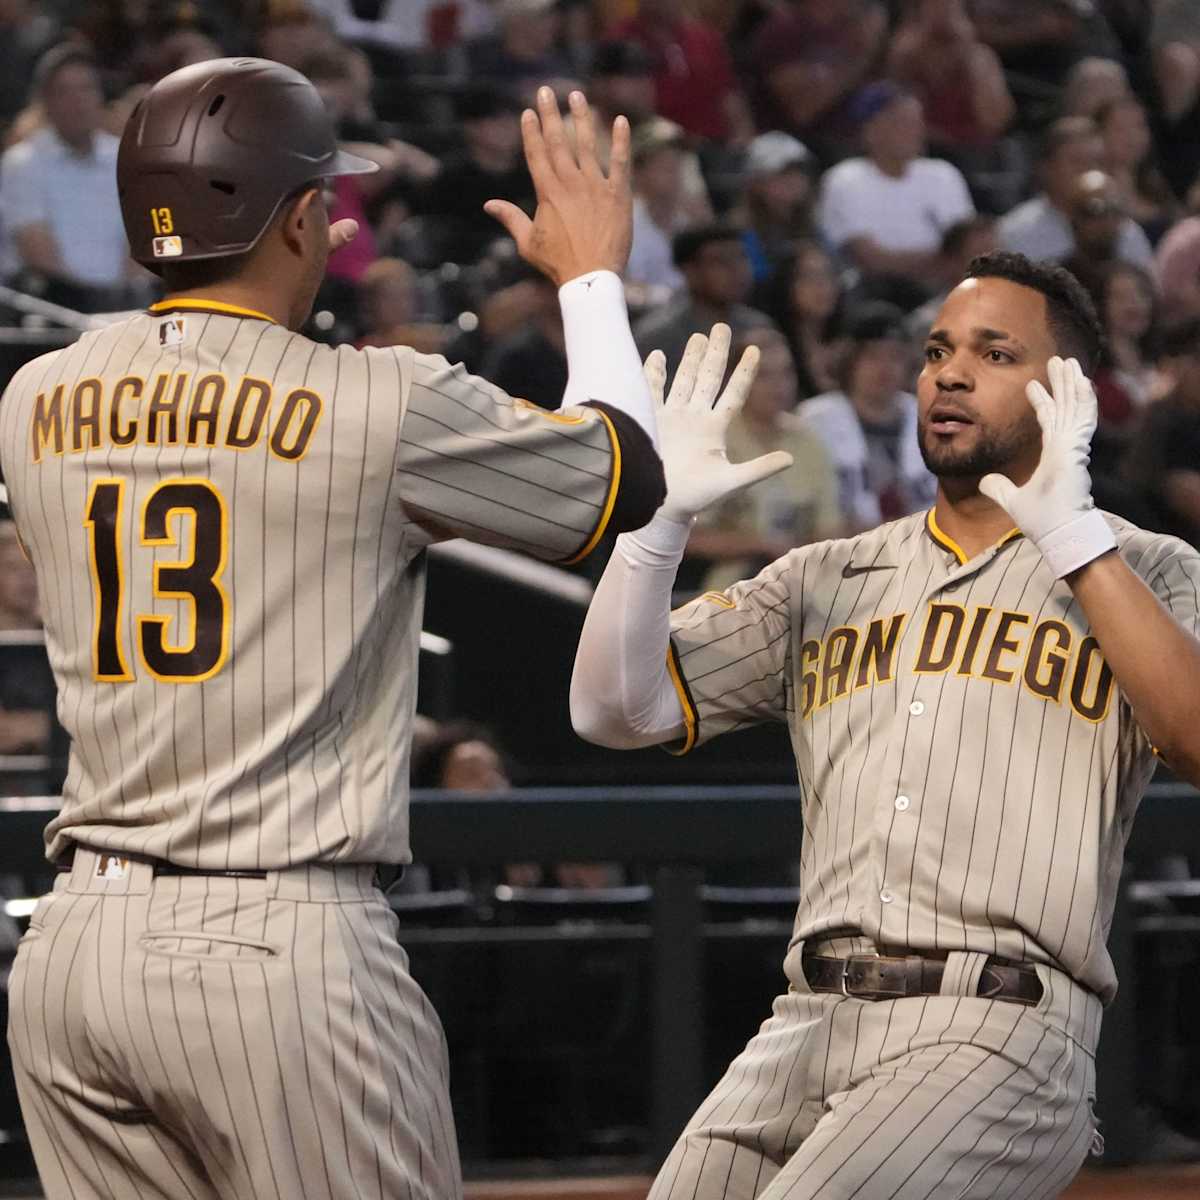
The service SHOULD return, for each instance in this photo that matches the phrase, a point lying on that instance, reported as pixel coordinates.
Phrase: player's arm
(627, 690)
(580, 237)
(1154, 658)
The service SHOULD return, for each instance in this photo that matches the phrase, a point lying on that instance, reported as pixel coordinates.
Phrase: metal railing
(674, 833)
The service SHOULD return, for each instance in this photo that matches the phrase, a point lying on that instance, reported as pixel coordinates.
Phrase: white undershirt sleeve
(622, 695)
(602, 360)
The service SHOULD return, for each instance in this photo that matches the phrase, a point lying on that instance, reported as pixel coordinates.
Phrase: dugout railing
(674, 835)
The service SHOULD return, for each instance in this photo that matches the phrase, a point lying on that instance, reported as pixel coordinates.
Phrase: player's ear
(299, 219)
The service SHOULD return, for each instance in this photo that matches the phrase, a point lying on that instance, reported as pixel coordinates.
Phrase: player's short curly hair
(1072, 315)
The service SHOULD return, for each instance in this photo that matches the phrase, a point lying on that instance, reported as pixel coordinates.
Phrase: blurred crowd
(816, 173)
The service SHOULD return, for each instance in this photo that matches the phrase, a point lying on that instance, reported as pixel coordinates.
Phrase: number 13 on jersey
(171, 509)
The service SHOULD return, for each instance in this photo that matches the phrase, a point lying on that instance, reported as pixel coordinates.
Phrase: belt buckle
(846, 971)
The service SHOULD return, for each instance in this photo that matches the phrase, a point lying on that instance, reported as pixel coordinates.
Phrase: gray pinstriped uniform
(969, 773)
(227, 522)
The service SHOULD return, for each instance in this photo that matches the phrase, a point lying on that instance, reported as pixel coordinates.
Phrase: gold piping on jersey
(685, 702)
(219, 307)
(550, 415)
(948, 543)
(610, 501)
(719, 599)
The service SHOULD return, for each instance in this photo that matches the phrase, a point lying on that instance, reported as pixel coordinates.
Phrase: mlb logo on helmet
(168, 247)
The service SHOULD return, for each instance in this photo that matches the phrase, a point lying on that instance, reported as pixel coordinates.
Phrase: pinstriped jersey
(969, 768)
(227, 522)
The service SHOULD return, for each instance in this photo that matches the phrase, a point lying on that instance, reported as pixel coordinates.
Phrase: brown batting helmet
(213, 150)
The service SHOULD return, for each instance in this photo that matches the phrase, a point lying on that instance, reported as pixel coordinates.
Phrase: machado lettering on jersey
(172, 409)
(1048, 658)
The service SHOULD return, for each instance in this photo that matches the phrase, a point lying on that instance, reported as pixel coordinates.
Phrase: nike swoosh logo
(849, 571)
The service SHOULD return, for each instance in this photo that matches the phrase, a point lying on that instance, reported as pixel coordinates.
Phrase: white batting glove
(691, 428)
(1054, 509)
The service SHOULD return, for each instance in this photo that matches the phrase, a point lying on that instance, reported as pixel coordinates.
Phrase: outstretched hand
(584, 218)
(692, 427)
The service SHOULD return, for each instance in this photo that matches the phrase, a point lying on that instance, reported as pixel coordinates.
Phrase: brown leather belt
(895, 977)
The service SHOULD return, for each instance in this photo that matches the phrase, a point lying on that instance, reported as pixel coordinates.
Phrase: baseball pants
(212, 1037)
(925, 1098)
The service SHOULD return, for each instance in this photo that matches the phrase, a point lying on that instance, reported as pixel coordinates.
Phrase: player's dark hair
(208, 272)
(1074, 322)
(688, 243)
(202, 272)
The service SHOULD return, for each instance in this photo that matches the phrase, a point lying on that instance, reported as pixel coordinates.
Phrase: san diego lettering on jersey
(173, 408)
(1046, 657)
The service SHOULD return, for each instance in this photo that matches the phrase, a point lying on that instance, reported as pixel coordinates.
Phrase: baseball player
(228, 524)
(975, 696)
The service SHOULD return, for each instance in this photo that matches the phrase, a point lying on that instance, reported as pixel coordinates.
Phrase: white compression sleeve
(602, 361)
(621, 692)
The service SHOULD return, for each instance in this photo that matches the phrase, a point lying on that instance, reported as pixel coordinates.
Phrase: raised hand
(692, 427)
(584, 218)
(1054, 508)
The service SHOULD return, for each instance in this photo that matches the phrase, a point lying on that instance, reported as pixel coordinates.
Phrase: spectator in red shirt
(936, 54)
(693, 73)
(809, 58)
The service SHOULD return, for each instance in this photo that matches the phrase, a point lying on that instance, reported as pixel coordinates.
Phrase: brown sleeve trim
(614, 486)
(638, 485)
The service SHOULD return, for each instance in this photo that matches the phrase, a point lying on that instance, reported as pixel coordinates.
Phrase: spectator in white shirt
(1041, 227)
(886, 212)
(58, 190)
(658, 211)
